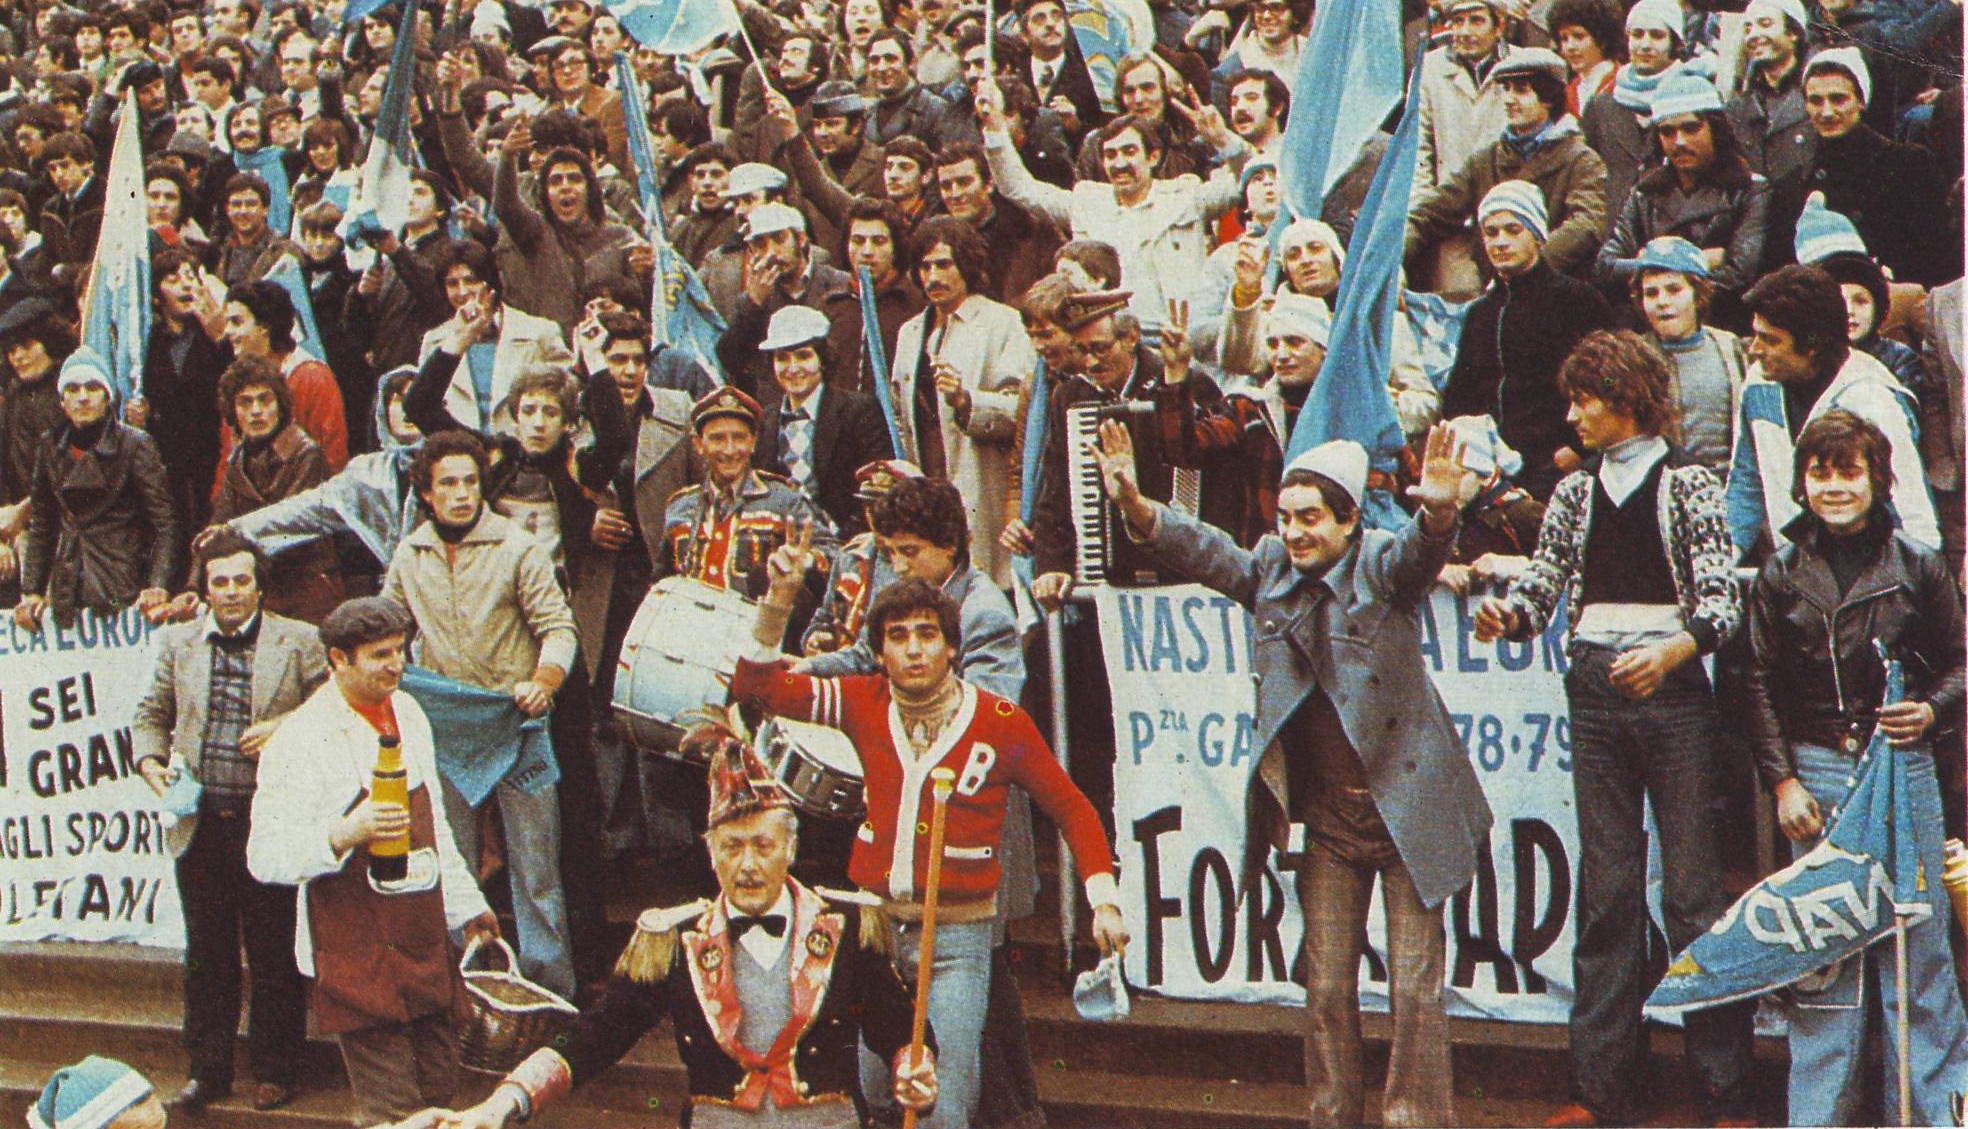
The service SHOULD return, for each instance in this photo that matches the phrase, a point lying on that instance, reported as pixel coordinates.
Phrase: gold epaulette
(647, 958)
(874, 935)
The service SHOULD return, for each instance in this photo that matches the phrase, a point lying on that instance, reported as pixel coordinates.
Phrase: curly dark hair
(966, 247)
(253, 372)
(1805, 302)
(1619, 367)
(1840, 438)
(1600, 19)
(443, 445)
(914, 597)
(930, 508)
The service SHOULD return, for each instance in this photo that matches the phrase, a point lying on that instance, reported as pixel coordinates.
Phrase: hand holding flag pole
(942, 783)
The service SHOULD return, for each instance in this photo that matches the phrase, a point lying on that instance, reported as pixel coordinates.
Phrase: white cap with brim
(794, 325)
(769, 218)
(1297, 315)
(753, 177)
(1341, 460)
(84, 366)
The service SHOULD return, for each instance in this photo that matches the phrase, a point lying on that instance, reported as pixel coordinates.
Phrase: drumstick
(942, 782)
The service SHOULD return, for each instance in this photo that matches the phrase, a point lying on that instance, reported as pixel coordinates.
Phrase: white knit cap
(1298, 315)
(1657, 15)
(1342, 460)
(1308, 230)
(1792, 10)
(1844, 60)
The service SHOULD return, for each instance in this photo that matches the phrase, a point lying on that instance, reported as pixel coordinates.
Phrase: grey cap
(836, 98)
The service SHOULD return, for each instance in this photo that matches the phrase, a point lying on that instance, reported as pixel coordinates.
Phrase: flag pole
(745, 34)
(1905, 1031)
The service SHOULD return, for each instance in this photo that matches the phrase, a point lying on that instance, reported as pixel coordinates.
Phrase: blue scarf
(268, 163)
(1527, 145)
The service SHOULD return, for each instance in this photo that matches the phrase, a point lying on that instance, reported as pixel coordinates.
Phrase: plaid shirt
(227, 774)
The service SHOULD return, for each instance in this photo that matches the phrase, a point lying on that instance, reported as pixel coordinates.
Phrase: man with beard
(1704, 193)
(275, 459)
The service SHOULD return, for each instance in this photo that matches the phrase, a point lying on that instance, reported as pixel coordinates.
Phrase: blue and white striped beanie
(1822, 233)
(1683, 93)
(1522, 199)
(89, 1095)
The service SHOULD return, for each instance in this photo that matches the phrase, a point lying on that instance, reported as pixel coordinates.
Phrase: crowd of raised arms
(980, 313)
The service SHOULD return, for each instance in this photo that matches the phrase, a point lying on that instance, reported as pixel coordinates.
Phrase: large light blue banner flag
(1349, 400)
(357, 10)
(1835, 901)
(674, 27)
(382, 198)
(1348, 81)
(116, 306)
(681, 316)
(287, 272)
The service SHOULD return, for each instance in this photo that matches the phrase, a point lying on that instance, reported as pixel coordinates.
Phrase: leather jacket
(1815, 677)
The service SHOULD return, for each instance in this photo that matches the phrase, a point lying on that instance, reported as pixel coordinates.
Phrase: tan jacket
(288, 663)
(488, 609)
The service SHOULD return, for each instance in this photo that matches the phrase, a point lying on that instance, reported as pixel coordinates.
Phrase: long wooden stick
(942, 782)
(1900, 981)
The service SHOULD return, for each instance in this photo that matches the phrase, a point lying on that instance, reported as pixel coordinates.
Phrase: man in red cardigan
(916, 716)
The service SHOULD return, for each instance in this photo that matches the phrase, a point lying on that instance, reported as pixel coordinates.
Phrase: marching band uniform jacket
(843, 989)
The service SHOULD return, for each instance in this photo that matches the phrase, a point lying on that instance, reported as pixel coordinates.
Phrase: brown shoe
(271, 1095)
(1573, 1116)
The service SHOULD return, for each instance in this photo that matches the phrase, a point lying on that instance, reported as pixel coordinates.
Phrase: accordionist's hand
(1115, 452)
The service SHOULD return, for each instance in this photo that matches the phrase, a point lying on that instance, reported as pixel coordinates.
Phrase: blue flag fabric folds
(1349, 400)
(674, 27)
(287, 273)
(680, 313)
(382, 198)
(481, 737)
(1835, 901)
(116, 307)
(1348, 81)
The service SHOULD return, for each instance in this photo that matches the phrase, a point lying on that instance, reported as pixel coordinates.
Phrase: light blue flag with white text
(1840, 898)
(116, 306)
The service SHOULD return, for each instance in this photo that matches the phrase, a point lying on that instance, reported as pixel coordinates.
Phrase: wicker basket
(505, 1016)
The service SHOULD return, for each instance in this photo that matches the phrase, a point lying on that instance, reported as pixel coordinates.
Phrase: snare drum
(816, 765)
(677, 658)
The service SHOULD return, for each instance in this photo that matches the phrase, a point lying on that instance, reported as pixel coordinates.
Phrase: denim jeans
(1626, 753)
(533, 862)
(1828, 1012)
(959, 989)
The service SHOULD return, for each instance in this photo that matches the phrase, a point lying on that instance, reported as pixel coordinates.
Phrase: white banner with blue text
(1179, 661)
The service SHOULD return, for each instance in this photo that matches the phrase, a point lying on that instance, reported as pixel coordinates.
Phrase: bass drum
(677, 660)
(816, 765)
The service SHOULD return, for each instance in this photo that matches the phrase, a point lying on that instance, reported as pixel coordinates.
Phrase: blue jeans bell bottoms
(1628, 753)
(1828, 1010)
(959, 989)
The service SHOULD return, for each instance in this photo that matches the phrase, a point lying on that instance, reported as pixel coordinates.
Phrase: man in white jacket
(379, 954)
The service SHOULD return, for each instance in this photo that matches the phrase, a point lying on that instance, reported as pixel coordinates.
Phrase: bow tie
(794, 413)
(774, 924)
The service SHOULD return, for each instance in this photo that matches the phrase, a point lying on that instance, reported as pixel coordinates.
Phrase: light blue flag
(287, 273)
(1835, 901)
(1350, 398)
(871, 344)
(116, 307)
(382, 198)
(1349, 80)
(1107, 32)
(680, 313)
(674, 27)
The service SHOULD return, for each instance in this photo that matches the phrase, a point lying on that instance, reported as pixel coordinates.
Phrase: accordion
(1098, 556)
